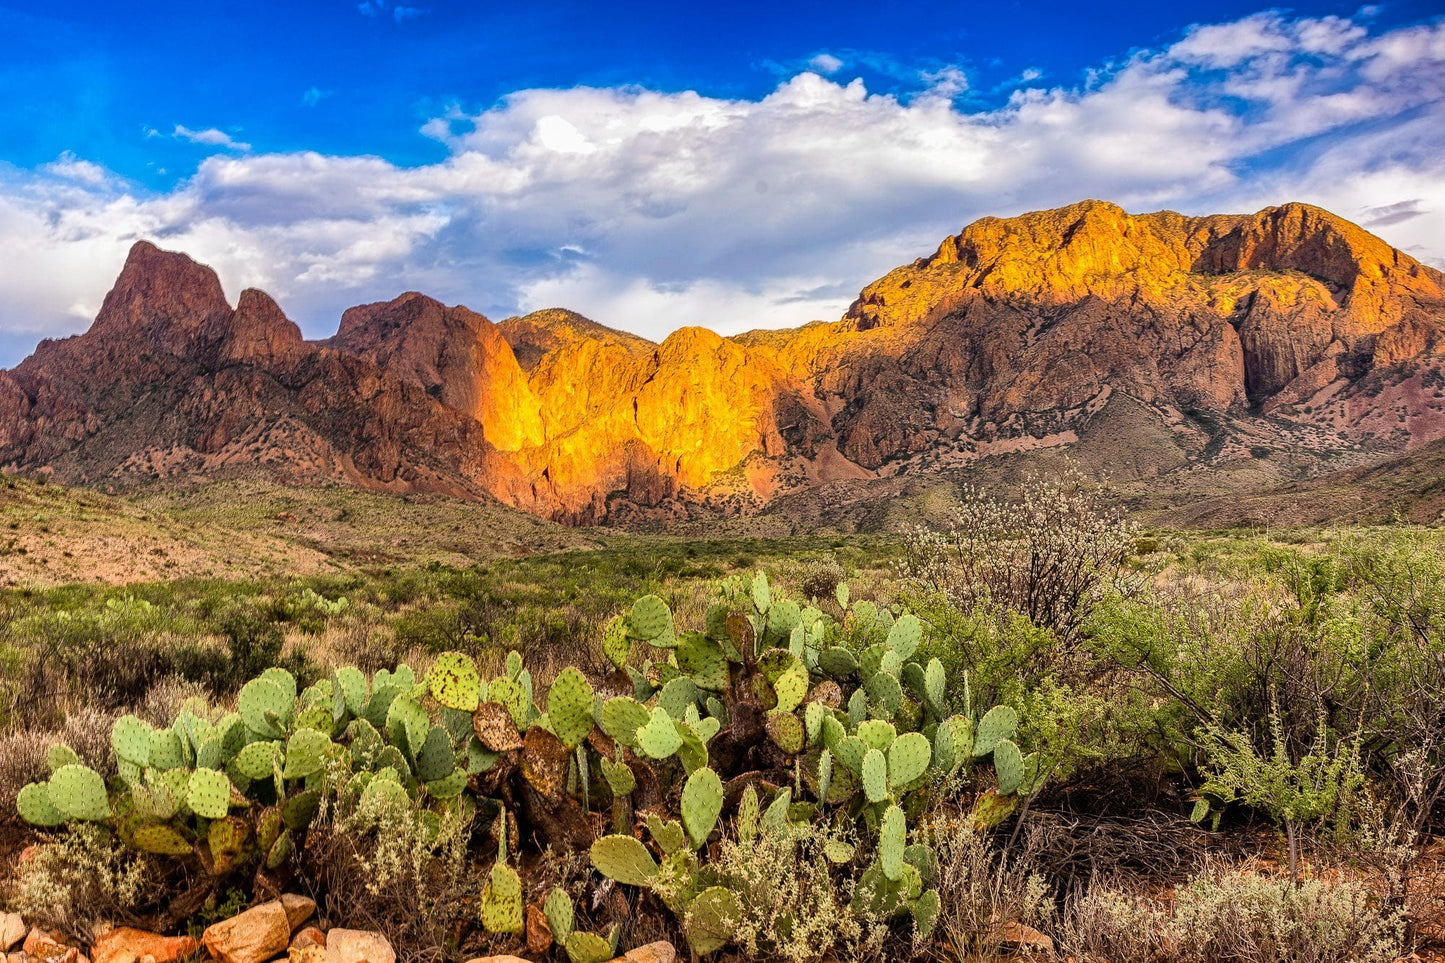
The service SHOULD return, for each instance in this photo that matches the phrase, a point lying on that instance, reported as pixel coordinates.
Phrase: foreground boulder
(126, 945)
(358, 946)
(12, 931)
(261, 933)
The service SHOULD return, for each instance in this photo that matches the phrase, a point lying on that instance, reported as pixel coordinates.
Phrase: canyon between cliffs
(1148, 346)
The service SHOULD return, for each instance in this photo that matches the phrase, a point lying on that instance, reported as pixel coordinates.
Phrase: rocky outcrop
(1173, 339)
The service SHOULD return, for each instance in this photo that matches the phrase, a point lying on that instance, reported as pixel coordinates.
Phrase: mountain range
(1153, 345)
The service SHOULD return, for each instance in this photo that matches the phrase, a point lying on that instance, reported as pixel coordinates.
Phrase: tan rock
(259, 934)
(308, 936)
(1016, 936)
(306, 954)
(12, 931)
(298, 908)
(659, 952)
(44, 945)
(127, 945)
(504, 958)
(539, 931)
(358, 946)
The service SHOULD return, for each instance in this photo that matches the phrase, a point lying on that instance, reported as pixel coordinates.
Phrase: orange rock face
(1289, 326)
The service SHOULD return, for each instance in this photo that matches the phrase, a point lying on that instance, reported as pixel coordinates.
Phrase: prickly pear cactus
(658, 739)
(624, 859)
(502, 901)
(702, 800)
(711, 920)
(1008, 764)
(208, 793)
(569, 707)
(908, 759)
(35, 807)
(651, 621)
(558, 910)
(79, 792)
(998, 723)
(453, 681)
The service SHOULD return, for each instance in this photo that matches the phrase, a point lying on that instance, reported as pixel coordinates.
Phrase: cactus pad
(436, 759)
(999, 723)
(762, 597)
(703, 660)
(305, 753)
(877, 733)
(407, 724)
(659, 738)
(711, 920)
(622, 717)
(162, 840)
(298, 810)
(677, 695)
(79, 792)
(449, 786)
(934, 681)
(261, 704)
(850, 751)
(558, 910)
(904, 636)
(668, 832)
(791, 688)
(60, 755)
(385, 797)
(280, 851)
(256, 760)
(702, 800)
(208, 793)
(785, 730)
(502, 901)
(651, 621)
(619, 777)
(825, 775)
(837, 662)
(624, 859)
(351, 683)
(545, 762)
(569, 707)
(989, 810)
(908, 758)
(875, 776)
(513, 695)
(226, 839)
(616, 646)
(583, 947)
(885, 690)
(892, 841)
(813, 715)
(494, 726)
(35, 807)
(925, 912)
(453, 682)
(1008, 764)
(165, 751)
(131, 739)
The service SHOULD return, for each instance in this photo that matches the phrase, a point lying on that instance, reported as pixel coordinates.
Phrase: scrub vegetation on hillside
(1037, 730)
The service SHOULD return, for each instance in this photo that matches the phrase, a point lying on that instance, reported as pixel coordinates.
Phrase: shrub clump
(1236, 915)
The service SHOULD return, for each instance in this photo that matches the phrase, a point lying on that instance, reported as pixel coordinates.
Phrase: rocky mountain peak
(259, 332)
(160, 300)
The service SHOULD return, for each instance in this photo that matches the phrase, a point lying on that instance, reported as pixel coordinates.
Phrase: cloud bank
(650, 210)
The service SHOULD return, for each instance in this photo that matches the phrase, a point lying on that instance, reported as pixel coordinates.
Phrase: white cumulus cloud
(650, 210)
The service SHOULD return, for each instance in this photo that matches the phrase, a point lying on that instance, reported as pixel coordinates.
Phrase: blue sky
(655, 165)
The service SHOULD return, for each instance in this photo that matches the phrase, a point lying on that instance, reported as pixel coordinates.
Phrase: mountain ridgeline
(1165, 342)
